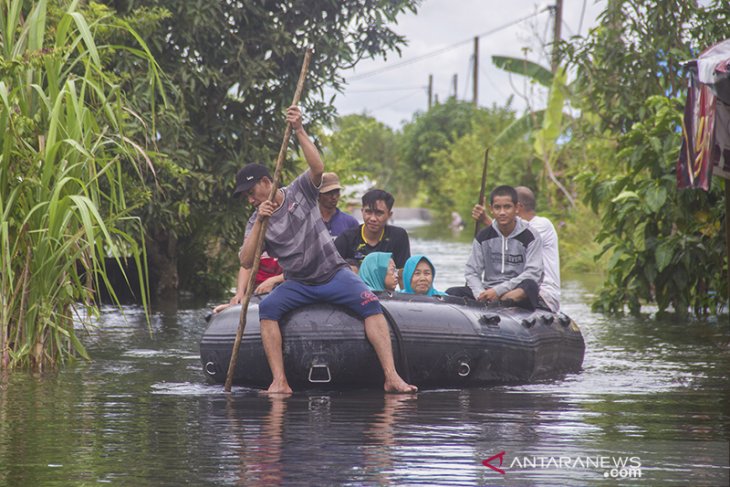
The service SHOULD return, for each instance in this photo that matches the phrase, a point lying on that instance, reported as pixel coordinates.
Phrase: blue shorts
(345, 288)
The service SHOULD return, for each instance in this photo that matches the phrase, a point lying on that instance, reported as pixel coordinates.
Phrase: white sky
(396, 93)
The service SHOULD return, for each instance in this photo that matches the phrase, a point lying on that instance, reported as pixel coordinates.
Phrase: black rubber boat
(437, 343)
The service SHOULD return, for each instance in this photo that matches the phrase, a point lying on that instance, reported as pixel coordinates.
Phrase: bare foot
(396, 384)
(279, 387)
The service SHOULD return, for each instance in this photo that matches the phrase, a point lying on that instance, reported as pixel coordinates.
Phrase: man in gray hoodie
(506, 258)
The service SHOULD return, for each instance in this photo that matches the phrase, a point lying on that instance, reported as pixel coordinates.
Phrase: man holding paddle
(313, 269)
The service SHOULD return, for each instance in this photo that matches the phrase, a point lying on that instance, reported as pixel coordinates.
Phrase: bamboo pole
(727, 234)
(481, 191)
(264, 225)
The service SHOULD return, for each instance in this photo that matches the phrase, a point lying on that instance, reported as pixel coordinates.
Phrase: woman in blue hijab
(378, 271)
(418, 276)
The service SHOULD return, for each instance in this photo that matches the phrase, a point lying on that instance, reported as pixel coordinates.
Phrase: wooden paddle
(264, 225)
(481, 192)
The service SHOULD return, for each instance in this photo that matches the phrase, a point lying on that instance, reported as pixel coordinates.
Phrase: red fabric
(269, 267)
(706, 123)
(693, 164)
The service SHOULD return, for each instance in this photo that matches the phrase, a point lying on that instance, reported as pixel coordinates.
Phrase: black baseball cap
(248, 176)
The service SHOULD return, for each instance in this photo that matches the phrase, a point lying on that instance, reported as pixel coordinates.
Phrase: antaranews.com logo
(616, 467)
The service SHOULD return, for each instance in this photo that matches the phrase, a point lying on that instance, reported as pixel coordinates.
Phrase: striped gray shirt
(298, 237)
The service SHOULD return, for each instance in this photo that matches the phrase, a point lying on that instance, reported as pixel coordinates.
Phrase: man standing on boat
(550, 286)
(375, 235)
(313, 269)
(506, 258)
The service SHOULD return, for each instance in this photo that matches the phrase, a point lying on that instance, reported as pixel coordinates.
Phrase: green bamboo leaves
(62, 206)
(545, 126)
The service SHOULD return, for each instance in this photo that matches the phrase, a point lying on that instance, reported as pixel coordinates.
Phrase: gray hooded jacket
(501, 262)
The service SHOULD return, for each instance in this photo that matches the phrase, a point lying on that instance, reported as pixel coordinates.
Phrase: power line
(582, 13)
(393, 102)
(375, 90)
(491, 81)
(468, 75)
(565, 24)
(443, 49)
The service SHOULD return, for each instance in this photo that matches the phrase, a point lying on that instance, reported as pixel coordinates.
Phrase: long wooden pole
(475, 74)
(481, 191)
(264, 225)
(557, 24)
(727, 233)
(430, 91)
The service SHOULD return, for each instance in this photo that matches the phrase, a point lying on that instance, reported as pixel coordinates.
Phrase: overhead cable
(442, 50)
(375, 90)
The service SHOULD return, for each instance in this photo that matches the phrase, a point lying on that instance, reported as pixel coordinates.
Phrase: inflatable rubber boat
(438, 342)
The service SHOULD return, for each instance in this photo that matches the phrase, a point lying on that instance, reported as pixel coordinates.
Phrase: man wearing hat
(335, 220)
(313, 269)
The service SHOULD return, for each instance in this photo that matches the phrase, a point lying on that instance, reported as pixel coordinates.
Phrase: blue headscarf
(410, 268)
(374, 269)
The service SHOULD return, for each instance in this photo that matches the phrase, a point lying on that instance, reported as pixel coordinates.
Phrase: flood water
(651, 407)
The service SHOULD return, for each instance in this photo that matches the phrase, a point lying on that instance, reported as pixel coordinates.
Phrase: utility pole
(430, 90)
(455, 81)
(475, 80)
(558, 20)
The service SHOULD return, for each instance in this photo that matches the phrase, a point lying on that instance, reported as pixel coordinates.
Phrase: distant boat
(438, 342)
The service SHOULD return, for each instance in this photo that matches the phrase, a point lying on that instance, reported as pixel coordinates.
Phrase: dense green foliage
(231, 69)
(105, 155)
(65, 146)
(98, 144)
(436, 159)
(360, 147)
(608, 138)
(454, 172)
(665, 246)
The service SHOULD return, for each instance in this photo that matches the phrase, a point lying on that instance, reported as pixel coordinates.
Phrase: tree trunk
(162, 262)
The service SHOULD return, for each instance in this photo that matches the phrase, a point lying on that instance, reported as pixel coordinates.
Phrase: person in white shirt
(550, 286)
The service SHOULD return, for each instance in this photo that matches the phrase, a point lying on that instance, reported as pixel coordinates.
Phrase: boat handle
(489, 320)
(319, 366)
(463, 369)
(207, 368)
(528, 323)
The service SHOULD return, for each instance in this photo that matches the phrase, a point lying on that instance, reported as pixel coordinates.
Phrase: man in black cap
(270, 273)
(313, 269)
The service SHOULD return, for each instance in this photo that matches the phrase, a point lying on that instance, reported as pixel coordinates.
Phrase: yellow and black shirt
(353, 248)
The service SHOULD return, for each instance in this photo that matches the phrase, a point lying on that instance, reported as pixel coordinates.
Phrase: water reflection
(284, 440)
(381, 437)
(441, 438)
(260, 456)
(141, 413)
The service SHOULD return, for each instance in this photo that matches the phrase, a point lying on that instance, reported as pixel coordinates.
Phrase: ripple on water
(141, 412)
(164, 353)
(186, 389)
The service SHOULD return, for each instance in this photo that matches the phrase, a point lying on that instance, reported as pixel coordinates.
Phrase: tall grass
(63, 159)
